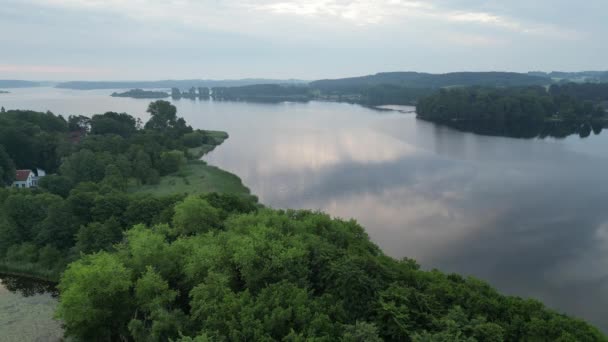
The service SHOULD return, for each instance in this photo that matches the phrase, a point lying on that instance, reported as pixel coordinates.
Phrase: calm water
(26, 311)
(528, 216)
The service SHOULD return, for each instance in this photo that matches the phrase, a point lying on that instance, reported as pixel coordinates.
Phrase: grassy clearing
(197, 178)
(212, 140)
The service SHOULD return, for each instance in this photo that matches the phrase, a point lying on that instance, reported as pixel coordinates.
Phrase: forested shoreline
(218, 266)
(519, 112)
(94, 166)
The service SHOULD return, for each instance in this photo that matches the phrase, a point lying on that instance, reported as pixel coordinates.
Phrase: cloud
(304, 39)
(223, 15)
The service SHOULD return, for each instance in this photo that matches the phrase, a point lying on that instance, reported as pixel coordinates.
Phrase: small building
(25, 179)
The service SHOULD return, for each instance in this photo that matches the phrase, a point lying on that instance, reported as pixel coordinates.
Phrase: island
(4, 92)
(149, 243)
(142, 94)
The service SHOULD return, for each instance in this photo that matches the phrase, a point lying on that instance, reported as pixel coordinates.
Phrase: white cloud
(245, 15)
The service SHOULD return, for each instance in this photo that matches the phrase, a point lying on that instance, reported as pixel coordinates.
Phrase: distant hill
(424, 80)
(579, 76)
(180, 84)
(18, 84)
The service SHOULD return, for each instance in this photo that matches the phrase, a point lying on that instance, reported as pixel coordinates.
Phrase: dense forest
(224, 271)
(519, 111)
(392, 94)
(423, 80)
(580, 76)
(218, 267)
(142, 94)
(594, 92)
(84, 202)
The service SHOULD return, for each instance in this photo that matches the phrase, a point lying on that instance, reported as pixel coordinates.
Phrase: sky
(303, 39)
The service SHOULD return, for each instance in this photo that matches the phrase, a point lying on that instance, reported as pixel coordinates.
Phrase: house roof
(22, 175)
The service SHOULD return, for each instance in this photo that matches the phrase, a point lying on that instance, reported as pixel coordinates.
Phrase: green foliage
(96, 298)
(55, 184)
(194, 139)
(142, 94)
(293, 275)
(361, 332)
(195, 215)
(595, 92)
(7, 168)
(424, 80)
(533, 104)
(86, 166)
(32, 139)
(113, 123)
(163, 115)
(518, 112)
(393, 94)
(96, 236)
(171, 162)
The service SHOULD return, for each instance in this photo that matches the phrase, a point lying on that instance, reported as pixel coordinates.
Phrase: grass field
(215, 138)
(196, 178)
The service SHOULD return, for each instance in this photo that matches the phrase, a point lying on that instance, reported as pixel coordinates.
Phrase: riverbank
(30, 271)
(196, 177)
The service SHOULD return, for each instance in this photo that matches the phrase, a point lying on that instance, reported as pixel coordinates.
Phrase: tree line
(514, 110)
(81, 205)
(222, 271)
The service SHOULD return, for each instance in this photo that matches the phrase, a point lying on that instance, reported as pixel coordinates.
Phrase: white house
(27, 178)
(24, 179)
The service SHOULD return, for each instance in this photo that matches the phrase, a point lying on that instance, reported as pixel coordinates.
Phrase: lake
(26, 310)
(530, 216)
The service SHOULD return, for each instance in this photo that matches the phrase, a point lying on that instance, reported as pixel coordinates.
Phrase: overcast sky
(305, 39)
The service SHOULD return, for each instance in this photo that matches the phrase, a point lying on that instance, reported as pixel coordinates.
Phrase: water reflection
(527, 215)
(530, 130)
(27, 287)
(26, 310)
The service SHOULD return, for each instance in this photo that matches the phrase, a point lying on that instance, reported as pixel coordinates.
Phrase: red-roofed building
(25, 179)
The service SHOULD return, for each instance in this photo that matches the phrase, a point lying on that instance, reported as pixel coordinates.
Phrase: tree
(79, 123)
(163, 115)
(96, 236)
(114, 178)
(59, 227)
(85, 166)
(55, 184)
(171, 162)
(96, 301)
(361, 332)
(113, 123)
(7, 168)
(156, 321)
(195, 215)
